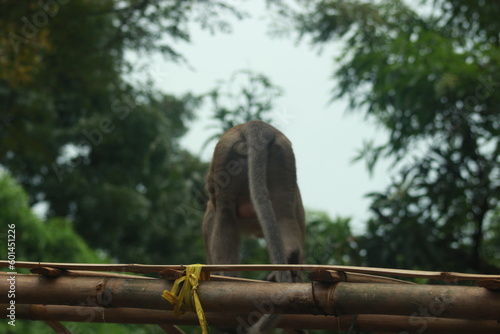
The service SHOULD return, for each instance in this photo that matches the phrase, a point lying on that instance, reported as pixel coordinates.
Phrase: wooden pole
(58, 327)
(442, 301)
(145, 269)
(243, 297)
(379, 323)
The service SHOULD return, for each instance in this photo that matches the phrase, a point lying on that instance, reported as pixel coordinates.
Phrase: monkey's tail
(259, 136)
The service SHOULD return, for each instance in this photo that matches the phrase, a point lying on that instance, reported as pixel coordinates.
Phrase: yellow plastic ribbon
(183, 299)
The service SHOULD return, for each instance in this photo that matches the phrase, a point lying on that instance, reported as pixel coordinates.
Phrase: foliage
(53, 240)
(92, 147)
(430, 80)
(39, 327)
(330, 241)
(253, 98)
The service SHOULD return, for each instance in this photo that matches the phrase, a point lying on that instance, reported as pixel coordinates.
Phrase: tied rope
(183, 297)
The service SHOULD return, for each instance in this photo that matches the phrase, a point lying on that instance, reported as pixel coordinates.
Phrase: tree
(246, 96)
(429, 78)
(330, 241)
(90, 145)
(53, 240)
(34, 239)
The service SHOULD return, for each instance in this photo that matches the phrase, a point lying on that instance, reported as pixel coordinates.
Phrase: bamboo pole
(146, 269)
(243, 297)
(380, 323)
(462, 302)
(58, 327)
(171, 329)
(333, 276)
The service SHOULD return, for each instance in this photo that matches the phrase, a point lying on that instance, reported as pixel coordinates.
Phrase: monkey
(252, 190)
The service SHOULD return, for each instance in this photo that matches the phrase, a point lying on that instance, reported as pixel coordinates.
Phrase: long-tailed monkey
(252, 186)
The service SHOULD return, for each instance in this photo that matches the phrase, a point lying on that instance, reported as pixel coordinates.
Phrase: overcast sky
(325, 138)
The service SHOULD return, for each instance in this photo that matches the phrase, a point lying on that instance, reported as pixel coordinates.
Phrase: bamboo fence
(336, 298)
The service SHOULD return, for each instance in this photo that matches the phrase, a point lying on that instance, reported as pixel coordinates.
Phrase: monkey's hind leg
(224, 242)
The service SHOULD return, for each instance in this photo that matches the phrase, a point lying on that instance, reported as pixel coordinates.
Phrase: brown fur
(252, 187)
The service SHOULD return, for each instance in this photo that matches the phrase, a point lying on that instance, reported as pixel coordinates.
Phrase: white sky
(325, 139)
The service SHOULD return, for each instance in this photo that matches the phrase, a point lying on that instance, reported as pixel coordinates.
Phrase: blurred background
(110, 110)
